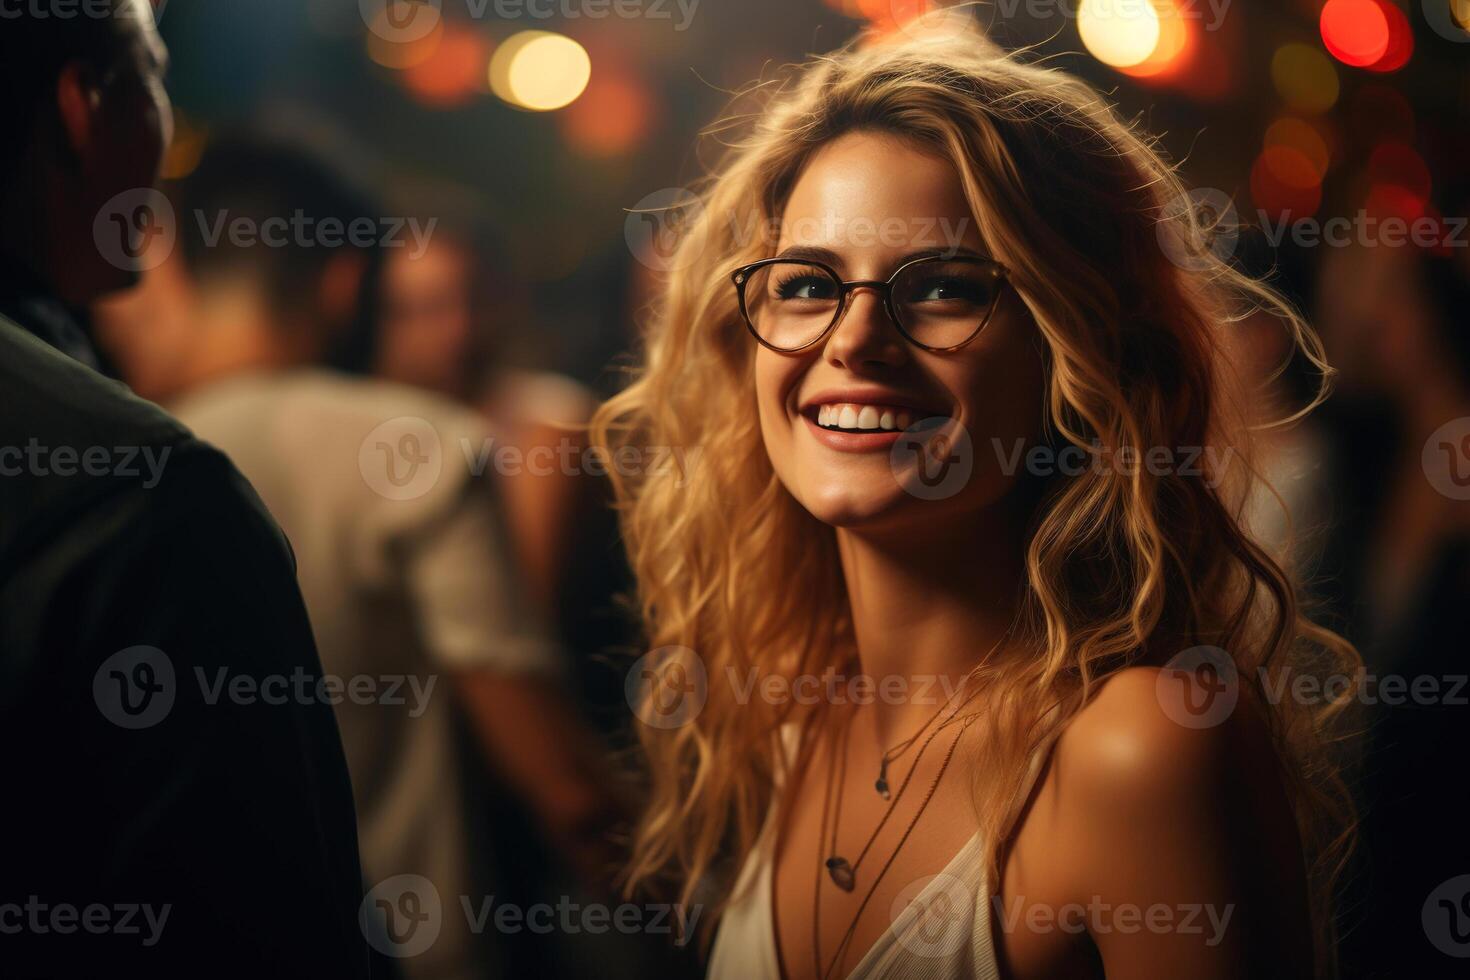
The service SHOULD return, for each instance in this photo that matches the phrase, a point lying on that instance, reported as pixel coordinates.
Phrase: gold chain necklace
(843, 872)
(899, 750)
(883, 871)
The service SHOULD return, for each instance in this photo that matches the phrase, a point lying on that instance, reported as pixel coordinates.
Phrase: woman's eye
(940, 290)
(806, 287)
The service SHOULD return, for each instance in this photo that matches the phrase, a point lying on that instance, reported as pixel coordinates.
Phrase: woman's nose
(865, 334)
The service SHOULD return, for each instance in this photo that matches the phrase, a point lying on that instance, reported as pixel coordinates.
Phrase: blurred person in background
(134, 559)
(1394, 320)
(1396, 575)
(402, 550)
(454, 321)
(448, 320)
(1286, 503)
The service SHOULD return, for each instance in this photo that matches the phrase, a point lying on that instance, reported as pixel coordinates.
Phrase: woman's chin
(854, 508)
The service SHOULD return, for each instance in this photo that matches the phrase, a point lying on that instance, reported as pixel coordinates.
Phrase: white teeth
(865, 418)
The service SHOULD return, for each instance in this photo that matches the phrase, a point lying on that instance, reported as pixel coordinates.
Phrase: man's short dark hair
(277, 211)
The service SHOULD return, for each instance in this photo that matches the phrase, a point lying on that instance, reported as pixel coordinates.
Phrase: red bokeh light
(1398, 171)
(1356, 32)
(1400, 39)
(1392, 201)
(1381, 114)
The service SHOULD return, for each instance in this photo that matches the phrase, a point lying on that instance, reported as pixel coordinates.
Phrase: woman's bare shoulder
(1158, 800)
(1162, 733)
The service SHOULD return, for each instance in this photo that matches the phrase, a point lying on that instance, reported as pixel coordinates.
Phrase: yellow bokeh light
(540, 70)
(1304, 77)
(504, 56)
(1460, 10)
(1174, 37)
(1120, 33)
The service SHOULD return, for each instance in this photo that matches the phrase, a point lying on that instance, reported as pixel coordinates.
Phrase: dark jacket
(137, 565)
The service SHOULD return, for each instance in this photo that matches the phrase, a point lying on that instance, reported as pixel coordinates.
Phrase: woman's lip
(852, 442)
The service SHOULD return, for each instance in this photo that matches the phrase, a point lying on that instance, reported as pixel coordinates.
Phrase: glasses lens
(943, 302)
(791, 304)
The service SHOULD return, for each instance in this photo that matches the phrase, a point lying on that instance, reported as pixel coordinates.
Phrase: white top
(401, 559)
(944, 931)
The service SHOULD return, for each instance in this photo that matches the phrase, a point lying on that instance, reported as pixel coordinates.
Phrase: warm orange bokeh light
(612, 117)
(455, 73)
(402, 54)
(1305, 139)
(1284, 182)
(1175, 47)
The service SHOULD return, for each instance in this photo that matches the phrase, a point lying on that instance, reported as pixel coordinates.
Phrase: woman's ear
(78, 100)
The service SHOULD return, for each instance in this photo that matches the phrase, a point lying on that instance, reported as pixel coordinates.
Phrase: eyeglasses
(938, 303)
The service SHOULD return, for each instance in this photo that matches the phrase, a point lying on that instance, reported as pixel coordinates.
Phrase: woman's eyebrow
(958, 251)
(826, 256)
(811, 252)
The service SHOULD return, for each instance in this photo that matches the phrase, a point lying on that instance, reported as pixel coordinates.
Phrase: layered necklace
(841, 871)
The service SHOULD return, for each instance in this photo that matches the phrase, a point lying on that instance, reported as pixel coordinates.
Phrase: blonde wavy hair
(1121, 568)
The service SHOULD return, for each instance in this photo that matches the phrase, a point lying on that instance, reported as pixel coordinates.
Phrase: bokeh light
(398, 55)
(1400, 40)
(1304, 78)
(1119, 33)
(1175, 44)
(1286, 183)
(540, 70)
(454, 73)
(1379, 113)
(1355, 31)
(1397, 173)
(612, 118)
(1307, 142)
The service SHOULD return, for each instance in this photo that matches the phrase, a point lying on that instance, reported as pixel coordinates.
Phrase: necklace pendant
(882, 787)
(841, 873)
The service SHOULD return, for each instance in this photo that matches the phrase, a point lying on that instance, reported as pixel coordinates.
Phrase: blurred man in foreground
(155, 823)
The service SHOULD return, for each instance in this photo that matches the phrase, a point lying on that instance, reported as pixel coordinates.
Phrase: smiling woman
(1104, 632)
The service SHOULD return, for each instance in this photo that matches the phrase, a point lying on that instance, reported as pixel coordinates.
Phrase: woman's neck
(927, 609)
